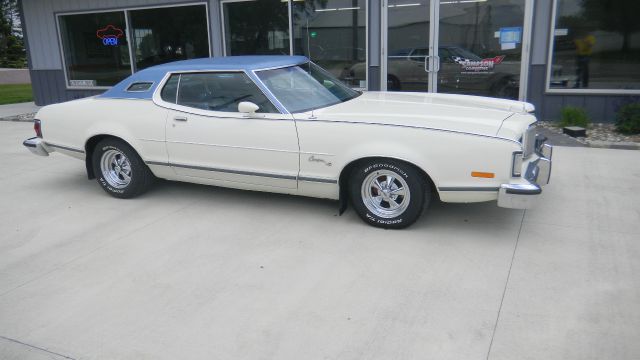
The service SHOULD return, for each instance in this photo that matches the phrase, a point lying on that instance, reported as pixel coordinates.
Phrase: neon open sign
(110, 35)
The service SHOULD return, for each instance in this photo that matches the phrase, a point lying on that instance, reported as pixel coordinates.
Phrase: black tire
(363, 193)
(393, 83)
(140, 177)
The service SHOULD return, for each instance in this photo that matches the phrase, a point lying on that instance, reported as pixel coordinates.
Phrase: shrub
(574, 116)
(628, 119)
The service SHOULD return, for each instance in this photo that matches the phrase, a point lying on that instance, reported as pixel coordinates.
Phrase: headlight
(516, 164)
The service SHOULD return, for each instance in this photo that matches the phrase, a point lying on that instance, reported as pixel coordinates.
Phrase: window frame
(157, 98)
(126, 11)
(547, 87)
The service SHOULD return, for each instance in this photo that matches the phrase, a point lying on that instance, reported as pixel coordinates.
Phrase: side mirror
(247, 107)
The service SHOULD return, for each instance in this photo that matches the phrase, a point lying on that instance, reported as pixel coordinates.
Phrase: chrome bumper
(37, 146)
(537, 175)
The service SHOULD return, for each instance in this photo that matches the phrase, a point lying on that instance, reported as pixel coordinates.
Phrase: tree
(614, 15)
(12, 53)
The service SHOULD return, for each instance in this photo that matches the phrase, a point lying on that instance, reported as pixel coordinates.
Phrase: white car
(282, 124)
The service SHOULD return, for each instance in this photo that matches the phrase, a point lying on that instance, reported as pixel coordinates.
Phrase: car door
(207, 137)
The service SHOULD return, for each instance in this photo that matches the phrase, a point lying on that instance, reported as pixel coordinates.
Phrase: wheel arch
(343, 178)
(90, 145)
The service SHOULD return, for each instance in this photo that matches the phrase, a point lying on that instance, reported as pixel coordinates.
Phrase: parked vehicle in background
(461, 71)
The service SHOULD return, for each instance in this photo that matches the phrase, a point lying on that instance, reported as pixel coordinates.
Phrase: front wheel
(119, 169)
(388, 194)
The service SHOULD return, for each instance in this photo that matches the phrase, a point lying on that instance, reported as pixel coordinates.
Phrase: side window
(419, 55)
(170, 89)
(221, 91)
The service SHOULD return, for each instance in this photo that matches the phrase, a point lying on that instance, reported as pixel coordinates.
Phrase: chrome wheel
(116, 168)
(385, 193)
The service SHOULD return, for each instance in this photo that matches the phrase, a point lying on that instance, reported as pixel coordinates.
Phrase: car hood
(463, 113)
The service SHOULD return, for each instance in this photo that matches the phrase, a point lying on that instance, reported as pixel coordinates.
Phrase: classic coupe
(283, 124)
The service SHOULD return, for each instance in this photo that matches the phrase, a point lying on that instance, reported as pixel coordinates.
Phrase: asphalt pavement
(195, 272)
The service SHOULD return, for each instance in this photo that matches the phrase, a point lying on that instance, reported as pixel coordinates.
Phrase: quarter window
(221, 91)
(170, 90)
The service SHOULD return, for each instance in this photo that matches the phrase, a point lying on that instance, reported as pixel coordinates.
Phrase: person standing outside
(584, 49)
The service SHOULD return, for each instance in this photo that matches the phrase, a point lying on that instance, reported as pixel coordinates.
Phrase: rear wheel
(393, 84)
(120, 170)
(387, 193)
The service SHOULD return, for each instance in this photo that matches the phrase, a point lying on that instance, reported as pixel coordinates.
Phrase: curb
(614, 145)
(18, 118)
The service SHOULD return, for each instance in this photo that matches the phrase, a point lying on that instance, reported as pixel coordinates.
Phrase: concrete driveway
(196, 272)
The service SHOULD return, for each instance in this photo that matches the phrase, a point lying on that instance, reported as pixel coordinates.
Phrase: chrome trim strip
(468, 188)
(122, 98)
(527, 189)
(309, 179)
(411, 127)
(228, 171)
(64, 147)
(242, 172)
(234, 146)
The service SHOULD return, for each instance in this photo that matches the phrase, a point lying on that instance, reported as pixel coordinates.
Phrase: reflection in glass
(169, 34)
(256, 27)
(332, 33)
(218, 91)
(306, 87)
(95, 48)
(596, 45)
(408, 44)
(480, 47)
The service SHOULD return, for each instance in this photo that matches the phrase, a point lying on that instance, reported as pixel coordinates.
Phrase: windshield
(305, 87)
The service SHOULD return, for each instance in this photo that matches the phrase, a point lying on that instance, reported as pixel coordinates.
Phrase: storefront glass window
(169, 34)
(256, 27)
(95, 48)
(332, 33)
(596, 45)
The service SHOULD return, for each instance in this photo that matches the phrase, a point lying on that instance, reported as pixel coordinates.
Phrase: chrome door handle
(179, 118)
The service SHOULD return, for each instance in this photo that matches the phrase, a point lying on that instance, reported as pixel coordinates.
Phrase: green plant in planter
(628, 119)
(574, 116)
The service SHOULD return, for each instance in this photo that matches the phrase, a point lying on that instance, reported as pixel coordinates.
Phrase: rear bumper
(524, 195)
(37, 146)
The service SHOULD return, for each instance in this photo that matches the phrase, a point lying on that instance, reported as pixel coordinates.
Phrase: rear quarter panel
(138, 122)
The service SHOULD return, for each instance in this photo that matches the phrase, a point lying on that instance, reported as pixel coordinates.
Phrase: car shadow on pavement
(471, 218)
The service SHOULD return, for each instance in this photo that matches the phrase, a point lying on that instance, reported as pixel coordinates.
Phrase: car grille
(528, 142)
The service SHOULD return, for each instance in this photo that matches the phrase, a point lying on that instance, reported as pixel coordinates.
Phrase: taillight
(38, 128)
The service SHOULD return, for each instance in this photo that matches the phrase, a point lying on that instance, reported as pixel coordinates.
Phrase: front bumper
(524, 195)
(37, 146)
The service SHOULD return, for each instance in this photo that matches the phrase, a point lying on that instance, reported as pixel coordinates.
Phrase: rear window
(140, 86)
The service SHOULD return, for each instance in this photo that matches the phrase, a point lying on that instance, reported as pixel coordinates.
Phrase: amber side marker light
(480, 174)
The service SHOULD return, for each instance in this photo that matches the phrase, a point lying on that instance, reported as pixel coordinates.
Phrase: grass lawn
(15, 93)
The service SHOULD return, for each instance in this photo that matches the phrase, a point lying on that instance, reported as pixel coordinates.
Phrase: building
(553, 53)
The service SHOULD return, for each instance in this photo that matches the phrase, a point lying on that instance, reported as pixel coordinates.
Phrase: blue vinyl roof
(155, 74)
